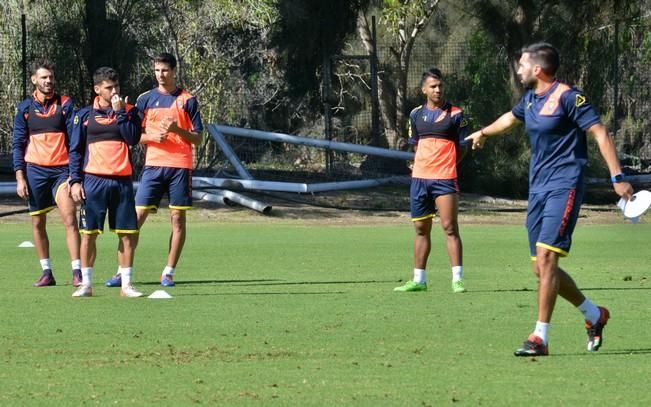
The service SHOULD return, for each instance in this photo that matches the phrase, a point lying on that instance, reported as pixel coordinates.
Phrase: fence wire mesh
(351, 104)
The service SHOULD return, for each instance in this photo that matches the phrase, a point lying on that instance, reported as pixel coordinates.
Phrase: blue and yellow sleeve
(579, 110)
(192, 109)
(519, 109)
(77, 152)
(412, 131)
(20, 135)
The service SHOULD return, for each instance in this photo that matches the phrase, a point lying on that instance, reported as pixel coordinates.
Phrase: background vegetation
(258, 64)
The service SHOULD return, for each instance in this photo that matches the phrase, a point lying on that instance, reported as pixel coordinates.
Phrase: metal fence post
(375, 102)
(23, 25)
(615, 125)
(327, 108)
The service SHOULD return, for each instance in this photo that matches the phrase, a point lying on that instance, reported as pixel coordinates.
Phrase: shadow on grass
(193, 282)
(613, 352)
(646, 351)
(264, 293)
(323, 282)
(270, 282)
(502, 290)
(615, 288)
(519, 290)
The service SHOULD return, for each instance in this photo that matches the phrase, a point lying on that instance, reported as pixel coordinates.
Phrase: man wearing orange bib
(171, 127)
(435, 131)
(41, 138)
(100, 177)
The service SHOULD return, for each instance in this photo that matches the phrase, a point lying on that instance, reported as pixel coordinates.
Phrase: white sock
(75, 264)
(87, 276)
(117, 273)
(541, 330)
(420, 276)
(45, 264)
(168, 271)
(126, 273)
(457, 273)
(590, 311)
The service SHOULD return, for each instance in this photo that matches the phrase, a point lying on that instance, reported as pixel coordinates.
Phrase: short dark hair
(545, 55)
(431, 73)
(105, 73)
(39, 63)
(166, 58)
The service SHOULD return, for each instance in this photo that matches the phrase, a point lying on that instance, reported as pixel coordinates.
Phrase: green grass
(278, 314)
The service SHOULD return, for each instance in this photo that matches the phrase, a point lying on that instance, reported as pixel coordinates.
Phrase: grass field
(286, 314)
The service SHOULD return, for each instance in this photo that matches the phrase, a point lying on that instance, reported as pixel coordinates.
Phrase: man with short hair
(436, 130)
(171, 127)
(100, 171)
(41, 137)
(557, 118)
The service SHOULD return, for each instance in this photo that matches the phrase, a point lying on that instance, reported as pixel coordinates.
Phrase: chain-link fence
(12, 85)
(476, 79)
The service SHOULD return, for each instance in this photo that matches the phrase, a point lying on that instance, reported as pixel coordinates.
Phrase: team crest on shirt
(529, 105)
(464, 123)
(157, 103)
(580, 100)
(76, 121)
(550, 106)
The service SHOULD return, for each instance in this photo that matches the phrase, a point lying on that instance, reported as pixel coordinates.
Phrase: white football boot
(129, 291)
(83, 291)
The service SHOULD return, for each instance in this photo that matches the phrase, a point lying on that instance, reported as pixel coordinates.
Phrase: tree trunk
(395, 120)
(99, 47)
(385, 95)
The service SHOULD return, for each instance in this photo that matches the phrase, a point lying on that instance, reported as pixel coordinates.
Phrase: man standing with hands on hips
(556, 117)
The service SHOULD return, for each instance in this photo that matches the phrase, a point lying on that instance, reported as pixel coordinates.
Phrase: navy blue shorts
(157, 181)
(551, 218)
(43, 184)
(112, 194)
(423, 193)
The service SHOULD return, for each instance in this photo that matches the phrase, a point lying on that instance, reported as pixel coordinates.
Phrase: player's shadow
(611, 352)
(642, 351)
(276, 282)
(269, 282)
(197, 282)
(525, 289)
(615, 288)
(260, 293)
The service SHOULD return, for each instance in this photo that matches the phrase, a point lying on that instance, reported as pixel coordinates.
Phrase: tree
(405, 20)
(575, 27)
(10, 68)
(308, 30)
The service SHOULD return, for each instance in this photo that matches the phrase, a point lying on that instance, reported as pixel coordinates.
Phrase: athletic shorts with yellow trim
(108, 195)
(43, 185)
(158, 181)
(423, 193)
(551, 218)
